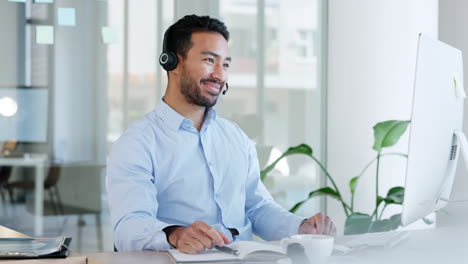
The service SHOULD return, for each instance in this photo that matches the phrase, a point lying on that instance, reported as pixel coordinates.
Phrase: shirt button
(210, 163)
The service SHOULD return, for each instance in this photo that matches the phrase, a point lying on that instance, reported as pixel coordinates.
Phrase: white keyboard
(346, 245)
(381, 239)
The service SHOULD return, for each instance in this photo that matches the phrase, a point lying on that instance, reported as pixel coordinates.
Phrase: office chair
(50, 185)
(5, 171)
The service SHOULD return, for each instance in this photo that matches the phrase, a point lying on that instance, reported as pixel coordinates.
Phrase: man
(182, 176)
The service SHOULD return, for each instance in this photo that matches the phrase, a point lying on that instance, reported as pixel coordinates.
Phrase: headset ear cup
(174, 60)
(168, 60)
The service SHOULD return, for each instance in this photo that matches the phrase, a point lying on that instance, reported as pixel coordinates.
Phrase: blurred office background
(320, 72)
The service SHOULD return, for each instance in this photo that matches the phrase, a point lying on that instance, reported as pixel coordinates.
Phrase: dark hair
(179, 36)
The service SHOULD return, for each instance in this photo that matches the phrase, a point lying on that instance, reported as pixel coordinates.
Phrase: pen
(228, 250)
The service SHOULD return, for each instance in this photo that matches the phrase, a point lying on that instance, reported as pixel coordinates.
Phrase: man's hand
(196, 237)
(318, 224)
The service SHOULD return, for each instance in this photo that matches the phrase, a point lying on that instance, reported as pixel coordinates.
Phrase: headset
(168, 59)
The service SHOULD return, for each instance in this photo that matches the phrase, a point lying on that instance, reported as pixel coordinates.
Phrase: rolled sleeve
(269, 220)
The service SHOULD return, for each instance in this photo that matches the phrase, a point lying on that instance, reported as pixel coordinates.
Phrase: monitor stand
(459, 144)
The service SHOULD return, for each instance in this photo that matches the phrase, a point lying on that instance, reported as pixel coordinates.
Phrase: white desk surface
(439, 245)
(27, 160)
(446, 244)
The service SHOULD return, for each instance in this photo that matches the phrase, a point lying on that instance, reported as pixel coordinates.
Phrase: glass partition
(99, 69)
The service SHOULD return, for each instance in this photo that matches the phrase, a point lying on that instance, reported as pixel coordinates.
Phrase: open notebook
(249, 251)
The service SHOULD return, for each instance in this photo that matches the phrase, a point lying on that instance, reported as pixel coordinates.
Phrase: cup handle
(284, 244)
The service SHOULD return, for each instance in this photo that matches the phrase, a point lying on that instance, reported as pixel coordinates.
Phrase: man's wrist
(302, 222)
(170, 231)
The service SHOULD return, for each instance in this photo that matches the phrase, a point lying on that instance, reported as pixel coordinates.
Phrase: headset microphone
(227, 87)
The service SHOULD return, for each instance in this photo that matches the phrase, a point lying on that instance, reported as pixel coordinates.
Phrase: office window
(115, 71)
(136, 82)
(276, 98)
(305, 44)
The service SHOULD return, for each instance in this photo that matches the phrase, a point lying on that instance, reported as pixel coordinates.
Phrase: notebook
(249, 251)
(30, 247)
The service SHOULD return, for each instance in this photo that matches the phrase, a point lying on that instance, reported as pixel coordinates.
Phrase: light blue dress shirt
(162, 171)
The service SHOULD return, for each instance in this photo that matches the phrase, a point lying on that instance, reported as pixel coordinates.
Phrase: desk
(140, 257)
(39, 161)
(429, 246)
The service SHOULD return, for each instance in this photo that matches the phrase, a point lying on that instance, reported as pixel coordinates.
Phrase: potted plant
(386, 134)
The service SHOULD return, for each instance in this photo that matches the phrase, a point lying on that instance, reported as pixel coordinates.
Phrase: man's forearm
(272, 222)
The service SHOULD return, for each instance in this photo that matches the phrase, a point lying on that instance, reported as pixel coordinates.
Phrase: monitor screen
(437, 115)
(23, 114)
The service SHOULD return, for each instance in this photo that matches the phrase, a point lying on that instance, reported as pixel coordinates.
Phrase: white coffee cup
(317, 248)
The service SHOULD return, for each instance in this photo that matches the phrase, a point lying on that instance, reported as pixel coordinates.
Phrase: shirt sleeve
(132, 195)
(269, 220)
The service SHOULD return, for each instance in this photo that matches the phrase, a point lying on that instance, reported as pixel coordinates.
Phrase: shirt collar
(210, 115)
(175, 120)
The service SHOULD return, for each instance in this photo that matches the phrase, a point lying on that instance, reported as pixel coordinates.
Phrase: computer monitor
(436, 129)
(23, 114)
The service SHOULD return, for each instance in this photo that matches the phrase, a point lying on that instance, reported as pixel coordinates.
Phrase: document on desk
(31, 247)
(249, 251)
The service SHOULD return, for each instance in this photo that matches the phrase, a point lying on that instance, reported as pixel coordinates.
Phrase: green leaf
(442, 211)
(357, 223)
(395, 221)
(297, 206)
(427, 221)
(353, 183)
(387, 134)
(322, 191)
(380, 199)
(264, 172)
(395, 195)
(300, 149)
(380, 226)
(325, 191)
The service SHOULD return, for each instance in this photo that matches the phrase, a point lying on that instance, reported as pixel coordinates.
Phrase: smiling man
(184, 177)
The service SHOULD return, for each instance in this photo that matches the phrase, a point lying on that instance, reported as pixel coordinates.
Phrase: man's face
(204, 70)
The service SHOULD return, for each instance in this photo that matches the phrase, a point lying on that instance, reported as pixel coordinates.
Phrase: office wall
(9, 27)
(187, 7)
(452, 30)
(371, 58)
